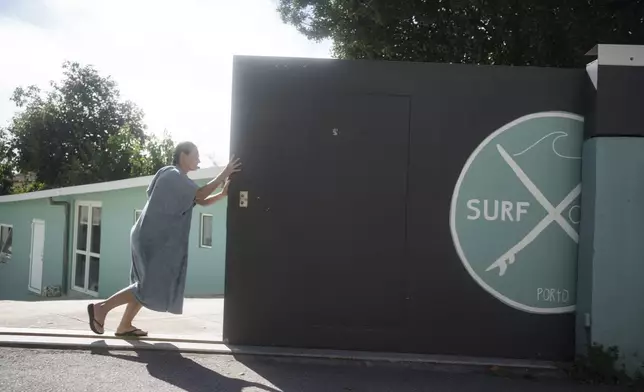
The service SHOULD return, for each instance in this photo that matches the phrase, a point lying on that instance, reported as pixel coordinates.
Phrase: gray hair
(182, 148)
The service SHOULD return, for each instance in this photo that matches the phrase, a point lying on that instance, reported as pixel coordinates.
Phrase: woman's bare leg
(131, 311)
(122, 297)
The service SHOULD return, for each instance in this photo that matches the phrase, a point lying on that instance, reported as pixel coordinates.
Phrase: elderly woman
(159, 241)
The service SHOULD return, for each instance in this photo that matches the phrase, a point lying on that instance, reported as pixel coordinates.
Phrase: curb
(78, 340)
(71, 333)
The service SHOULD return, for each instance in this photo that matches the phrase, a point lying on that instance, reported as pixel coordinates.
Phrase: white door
(37, 254)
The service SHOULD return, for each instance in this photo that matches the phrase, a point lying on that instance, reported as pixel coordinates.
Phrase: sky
(172, 58)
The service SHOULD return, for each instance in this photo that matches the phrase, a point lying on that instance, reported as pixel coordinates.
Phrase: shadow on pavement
(291, 375)
(312, 375)
(175, 369)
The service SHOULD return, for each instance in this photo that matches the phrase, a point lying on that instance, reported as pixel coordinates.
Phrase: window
(137, 215)
(87, 247)
(6, 237)
(205, 240)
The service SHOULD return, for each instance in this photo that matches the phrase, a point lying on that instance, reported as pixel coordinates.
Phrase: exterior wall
(14, 275)
(586, 247)
(206, 265)
(611, 265)
(610, 311)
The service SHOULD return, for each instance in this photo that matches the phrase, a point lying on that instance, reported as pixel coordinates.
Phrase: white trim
(452, 217)
(201, 226)
(620, 55)
(209, 172)
(591, 70)
(37, 290)
(12, 230)
(135, 212)
(87, 253)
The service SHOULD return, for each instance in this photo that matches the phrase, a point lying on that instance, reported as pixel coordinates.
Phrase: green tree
(158, 152)
(80, 131)
(6, 163)
(138, 158)
(511, 32)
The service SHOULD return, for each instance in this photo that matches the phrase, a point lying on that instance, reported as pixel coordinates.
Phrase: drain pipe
(65, 282)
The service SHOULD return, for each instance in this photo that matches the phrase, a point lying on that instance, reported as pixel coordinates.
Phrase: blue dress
(159, 241)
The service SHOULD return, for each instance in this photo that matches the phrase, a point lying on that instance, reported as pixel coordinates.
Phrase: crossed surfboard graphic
(554, 213)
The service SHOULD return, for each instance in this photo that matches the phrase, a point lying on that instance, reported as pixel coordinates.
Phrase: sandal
(136, 332)
(92, 320)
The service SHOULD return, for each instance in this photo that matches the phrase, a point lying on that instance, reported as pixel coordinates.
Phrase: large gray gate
(404, 207)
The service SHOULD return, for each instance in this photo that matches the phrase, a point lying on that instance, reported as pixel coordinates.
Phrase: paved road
(97, 371)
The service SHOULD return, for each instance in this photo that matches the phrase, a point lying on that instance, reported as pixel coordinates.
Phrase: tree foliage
(6, 163)
(80, 131)
(511, 32)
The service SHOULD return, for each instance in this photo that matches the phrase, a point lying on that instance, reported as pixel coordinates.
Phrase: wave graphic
(561, 134)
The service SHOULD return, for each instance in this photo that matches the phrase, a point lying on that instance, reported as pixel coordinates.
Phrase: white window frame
(87, 253)
(4, 256)
(135, 212)
(201, 227)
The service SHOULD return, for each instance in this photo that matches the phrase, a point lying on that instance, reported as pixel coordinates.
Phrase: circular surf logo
(515, 212)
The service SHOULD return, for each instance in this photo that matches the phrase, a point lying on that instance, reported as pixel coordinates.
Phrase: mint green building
(74, 242)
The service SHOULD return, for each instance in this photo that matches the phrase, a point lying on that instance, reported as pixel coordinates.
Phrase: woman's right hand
(232, 167)
(224, 190)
